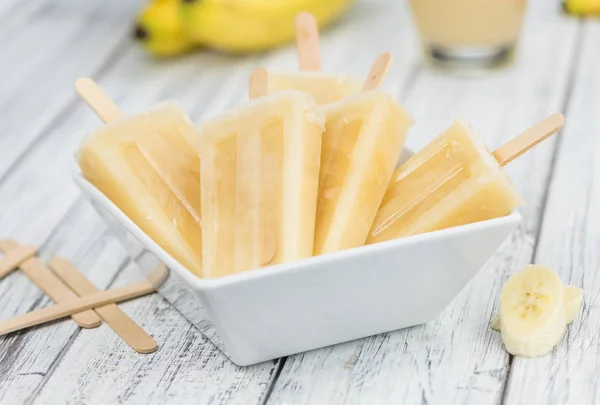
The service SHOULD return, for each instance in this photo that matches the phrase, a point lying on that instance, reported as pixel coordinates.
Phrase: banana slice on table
(573, 299)
(532, 312)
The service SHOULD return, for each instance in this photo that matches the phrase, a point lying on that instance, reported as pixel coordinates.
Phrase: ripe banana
(582, 7)
(251, 25)
(160, 30)
(532, 312)
(573, 299)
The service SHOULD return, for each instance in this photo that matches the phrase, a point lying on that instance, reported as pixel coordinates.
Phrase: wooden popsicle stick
(259, 83)
(13, 258)
(51, 285)
(308, 42)
(378, 72)
(124, 326)
(98, 100)
(528, 139)
(64, 309)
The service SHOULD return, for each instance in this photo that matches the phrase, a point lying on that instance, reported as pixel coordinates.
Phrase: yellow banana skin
(160, 30)
(582, 7)
(240, 26)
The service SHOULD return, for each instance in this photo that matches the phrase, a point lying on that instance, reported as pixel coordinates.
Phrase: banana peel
(160, 31)
(172, 27)
(582, 7)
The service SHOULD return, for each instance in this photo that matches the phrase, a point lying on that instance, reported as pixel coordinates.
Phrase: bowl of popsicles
(297, 220)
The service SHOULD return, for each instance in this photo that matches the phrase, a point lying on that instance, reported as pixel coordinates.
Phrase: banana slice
(532, 312)
(573, 299)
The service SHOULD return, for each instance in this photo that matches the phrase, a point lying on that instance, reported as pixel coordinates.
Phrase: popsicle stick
(259, 83)
(124, 326)
(528, 139)
(51, 285)
(13, 257)
(64, 309)
(308, 42)
(158, 276)
(378, 72)
(98, 100)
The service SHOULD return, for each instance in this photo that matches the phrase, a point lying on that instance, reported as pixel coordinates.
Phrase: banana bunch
(582, 7)
(535, 309)
(172, 27)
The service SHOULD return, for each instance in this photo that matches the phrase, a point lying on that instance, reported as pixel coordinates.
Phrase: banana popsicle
(147, 166)
(454, 181)
(364, 135)
(323, 88)
(259, 173)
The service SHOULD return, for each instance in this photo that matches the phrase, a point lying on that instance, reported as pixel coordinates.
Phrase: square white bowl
(320, 301)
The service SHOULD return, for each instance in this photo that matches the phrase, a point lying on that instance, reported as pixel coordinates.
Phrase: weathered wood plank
(28, 358)
(455, 359)
(39, 193)
(51, 43)
(99, 368)
(33, 216)
(569, 244)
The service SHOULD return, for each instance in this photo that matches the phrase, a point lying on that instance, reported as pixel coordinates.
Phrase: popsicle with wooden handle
(148, 166)
(322, 87)
(364, 135)
(454, 181)
(260, 170)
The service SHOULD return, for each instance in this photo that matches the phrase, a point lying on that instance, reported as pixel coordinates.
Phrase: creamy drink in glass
(469, 33)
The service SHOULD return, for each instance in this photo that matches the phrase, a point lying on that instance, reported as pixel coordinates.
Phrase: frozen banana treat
(260, 172)
(146, 165)
(453, 181)
(364, 135)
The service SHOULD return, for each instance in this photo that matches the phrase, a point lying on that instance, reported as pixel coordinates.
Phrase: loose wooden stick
(51, 285)
(378, 72)
(62, 310)
(13, 257)
(259, 83)
(528, 139)
(307, 42)
(98, 101)
(124, 326)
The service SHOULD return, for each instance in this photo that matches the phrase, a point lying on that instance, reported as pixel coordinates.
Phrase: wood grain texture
(51, 42)
(569, 244)
(28, 360)
(99, 369)
(457, 358)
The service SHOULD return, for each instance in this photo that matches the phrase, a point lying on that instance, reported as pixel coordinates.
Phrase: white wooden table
(46, 44)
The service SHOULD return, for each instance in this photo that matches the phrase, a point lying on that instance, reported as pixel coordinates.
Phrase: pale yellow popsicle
(453, 181)
(362, 142)
(259, 170)
(323, 88)
(146, 165)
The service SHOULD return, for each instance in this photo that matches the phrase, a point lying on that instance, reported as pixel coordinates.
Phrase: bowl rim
(280, 269)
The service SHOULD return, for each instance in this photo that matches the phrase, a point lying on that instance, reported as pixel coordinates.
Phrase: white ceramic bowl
(289, 308)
